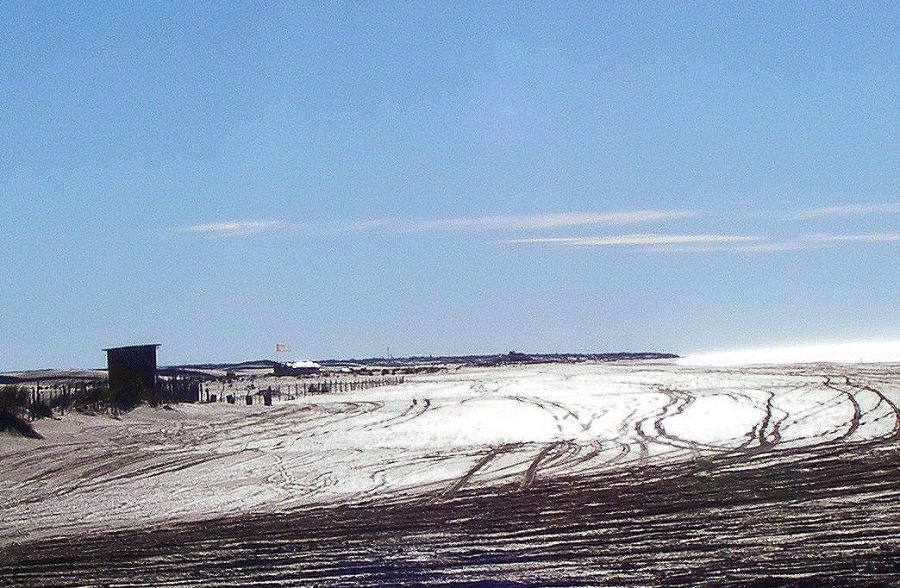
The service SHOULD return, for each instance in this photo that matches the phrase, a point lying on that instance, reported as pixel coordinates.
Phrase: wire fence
(62, 397)
(251, 394)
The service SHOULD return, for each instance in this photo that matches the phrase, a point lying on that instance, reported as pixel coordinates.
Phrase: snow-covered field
(614, 437)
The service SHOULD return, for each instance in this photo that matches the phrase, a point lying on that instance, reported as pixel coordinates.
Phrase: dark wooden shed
(132, 373)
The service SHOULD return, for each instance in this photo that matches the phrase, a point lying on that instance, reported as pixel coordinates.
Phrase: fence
(338, 386)
(178, 389)
(91, 395)
(233, 395)
(94, 395)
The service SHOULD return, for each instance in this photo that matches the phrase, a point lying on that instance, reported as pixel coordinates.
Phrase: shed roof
(132, 347)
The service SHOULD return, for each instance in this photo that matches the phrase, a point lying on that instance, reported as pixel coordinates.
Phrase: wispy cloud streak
(480, 223)
(844, 210)
(232, 228)
(535, 222)
(803, 243)
(760, 247)
(630, 240)
(866, 238)
(545, 221)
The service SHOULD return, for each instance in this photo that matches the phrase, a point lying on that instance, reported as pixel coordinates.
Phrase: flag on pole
(282, 348)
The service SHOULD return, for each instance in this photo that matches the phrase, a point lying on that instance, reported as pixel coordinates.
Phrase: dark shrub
(13, 399)
(39, 410)
(11, 422)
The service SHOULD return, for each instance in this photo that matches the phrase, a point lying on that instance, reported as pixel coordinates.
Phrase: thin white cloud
(844, 210)
(232, 228)
(544, 221)
(761, 247)
(637, 239)
(772, 247)
(641, 242)
(481, 223)
(803, 243)
(865, 238)
(537, 222)
(249, 227)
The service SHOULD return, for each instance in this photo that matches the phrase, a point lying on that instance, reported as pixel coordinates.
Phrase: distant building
(132, 373)
(297, 368)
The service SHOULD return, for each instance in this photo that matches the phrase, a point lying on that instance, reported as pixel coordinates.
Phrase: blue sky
(444, 179)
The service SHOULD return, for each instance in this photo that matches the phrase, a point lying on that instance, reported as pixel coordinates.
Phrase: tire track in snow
(895, 410)
(414, 410)
(531, 473)
(481, 463)
(853, 426)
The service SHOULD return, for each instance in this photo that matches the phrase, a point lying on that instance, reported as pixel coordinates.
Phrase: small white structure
(303, 367)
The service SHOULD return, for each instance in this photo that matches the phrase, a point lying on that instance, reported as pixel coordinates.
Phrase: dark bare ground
(825, 515)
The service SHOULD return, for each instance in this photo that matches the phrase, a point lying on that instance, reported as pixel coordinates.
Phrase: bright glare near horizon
(445, 178)
(849, 352)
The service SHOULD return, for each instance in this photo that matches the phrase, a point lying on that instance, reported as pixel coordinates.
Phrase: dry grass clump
(14, 406)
